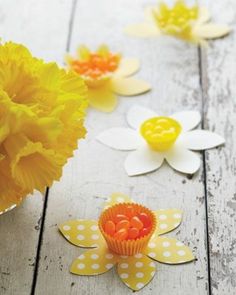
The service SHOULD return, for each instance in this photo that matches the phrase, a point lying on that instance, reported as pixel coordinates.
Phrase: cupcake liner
(126, 247)
(5, 210)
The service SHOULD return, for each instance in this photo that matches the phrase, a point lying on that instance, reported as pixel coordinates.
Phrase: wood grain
(96, 171)
(43, 27)
(218, 77)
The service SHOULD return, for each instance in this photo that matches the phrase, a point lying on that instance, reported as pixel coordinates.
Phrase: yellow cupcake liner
(126, 247)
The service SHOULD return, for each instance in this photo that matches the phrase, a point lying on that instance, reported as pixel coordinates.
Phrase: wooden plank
(96, 171)
(36, 24)
(219, 72)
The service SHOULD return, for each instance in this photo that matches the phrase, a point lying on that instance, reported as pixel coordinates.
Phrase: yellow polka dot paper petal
(82, 233)
(167, 220)
(117, 198)
(168, 250)
(136, 271)
(94, 262)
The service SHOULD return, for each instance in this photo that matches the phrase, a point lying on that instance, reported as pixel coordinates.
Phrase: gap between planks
(203, 95)
(44, 212)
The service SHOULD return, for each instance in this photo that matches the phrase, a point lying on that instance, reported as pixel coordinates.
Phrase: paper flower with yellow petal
(187, 23)
(42, 109)
(153, 139)
(107, 75)
(137, 269)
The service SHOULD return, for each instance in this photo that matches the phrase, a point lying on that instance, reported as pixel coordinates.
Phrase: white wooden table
(34, 258)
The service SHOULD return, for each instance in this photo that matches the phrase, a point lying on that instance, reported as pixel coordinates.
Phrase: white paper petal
(187, 119)
(125, 139)
(137, 115)
(201, 140)
(183, 160)
(142, 161)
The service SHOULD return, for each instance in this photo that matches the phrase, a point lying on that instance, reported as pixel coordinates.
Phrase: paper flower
(106, 75)
(187, 23)
(157, 138)
(136, 270)
(41, 119)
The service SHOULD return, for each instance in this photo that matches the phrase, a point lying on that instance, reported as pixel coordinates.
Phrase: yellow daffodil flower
(42, 109)
(187, 23)
(107, 75)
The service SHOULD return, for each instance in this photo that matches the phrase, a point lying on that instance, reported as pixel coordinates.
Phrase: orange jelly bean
(110, 227)
(133, 233)
(130, 212)
(144, 231)
(120, 217)
(121, 234)
(136, 222)
(122, 224)
(145, 219)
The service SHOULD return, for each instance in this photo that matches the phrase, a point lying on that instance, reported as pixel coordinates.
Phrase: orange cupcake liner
(126, 247)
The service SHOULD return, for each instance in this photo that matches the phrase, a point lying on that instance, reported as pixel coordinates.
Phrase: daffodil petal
(94, 262)
(82, 233)
(137, 115)
(201, 140)
(187, 119)
(142, 30)
(168, 250)
(136, 271)
(129, 86)
(124, 139)
(102, 99)
(127, 67)
(142, 161)
(167, 220)
(211, 31)
(204, 15)
(183, 160)
(117, 198)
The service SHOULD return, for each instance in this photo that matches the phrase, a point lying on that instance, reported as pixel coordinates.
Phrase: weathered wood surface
(96, 171)
(182, 78)
(218, 77)
(43, 27)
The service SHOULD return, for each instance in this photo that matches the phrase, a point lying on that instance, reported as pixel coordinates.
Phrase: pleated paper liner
(130, 246)
(6, 209)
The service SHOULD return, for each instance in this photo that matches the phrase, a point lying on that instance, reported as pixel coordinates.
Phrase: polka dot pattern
(167, 220)
(82, 233)
(117, 198)
(170, 251)
(136, 271)
(94, 262)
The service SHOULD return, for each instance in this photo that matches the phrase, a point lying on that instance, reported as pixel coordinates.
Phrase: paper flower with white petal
(187, 23)
(136, 270)
(107, 75)
(153, 139)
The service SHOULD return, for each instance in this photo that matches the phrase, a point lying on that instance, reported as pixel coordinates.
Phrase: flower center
(176, 20)
(127, 227)
(160, 132)
(96, 65)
